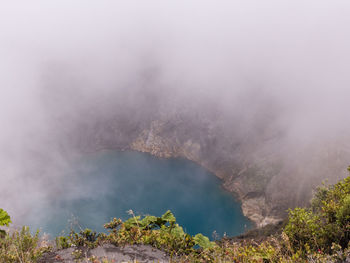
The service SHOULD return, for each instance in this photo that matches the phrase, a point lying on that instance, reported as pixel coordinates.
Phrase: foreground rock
(135, 253)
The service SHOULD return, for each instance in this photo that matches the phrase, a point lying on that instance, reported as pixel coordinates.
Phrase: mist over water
(111, 183)
(251, 81)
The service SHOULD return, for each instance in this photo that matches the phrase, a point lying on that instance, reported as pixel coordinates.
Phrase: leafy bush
(161, 232)
(303, 229)
(5, 220)
(21, 246)
(326, 223)
(85, 238)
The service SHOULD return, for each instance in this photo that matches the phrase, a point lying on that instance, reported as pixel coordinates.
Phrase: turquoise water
(106, 185)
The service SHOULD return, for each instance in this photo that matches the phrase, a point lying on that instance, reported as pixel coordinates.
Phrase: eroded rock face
(153, 142)
(256, 209)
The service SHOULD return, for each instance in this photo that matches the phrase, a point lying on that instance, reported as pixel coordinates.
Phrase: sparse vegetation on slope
(19, 245)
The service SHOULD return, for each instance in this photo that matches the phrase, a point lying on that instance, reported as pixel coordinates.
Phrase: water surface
(107, 184)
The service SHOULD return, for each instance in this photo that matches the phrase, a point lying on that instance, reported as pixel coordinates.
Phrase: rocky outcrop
(255, 210)
(151, 141)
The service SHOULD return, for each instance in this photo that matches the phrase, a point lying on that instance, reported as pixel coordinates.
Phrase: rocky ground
(107, 253)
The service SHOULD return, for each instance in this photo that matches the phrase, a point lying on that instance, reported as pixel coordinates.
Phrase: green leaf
(178, 231)
(132, 222)
(202, 241)
(5, 219)
(148, 222)
(160, 222)
(169, 217)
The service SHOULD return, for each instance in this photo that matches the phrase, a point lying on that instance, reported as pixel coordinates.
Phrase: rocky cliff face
(156, 141)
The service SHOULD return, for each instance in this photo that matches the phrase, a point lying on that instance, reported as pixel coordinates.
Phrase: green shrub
(5, 220)
(63, 242)
(21, 246)
(326, 223)
(161, 232)
(303, 229)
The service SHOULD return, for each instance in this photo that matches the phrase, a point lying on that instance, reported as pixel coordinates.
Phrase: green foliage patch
(21, 246)
(326, 224)
(161, 232)
(5, 220)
